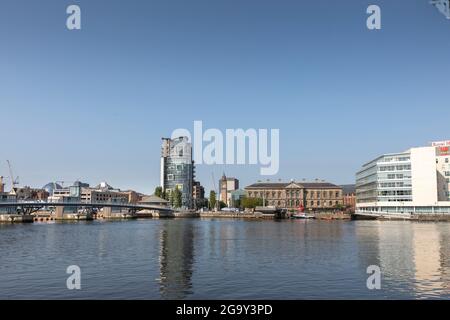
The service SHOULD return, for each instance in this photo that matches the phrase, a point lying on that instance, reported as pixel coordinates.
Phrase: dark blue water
(225, 259)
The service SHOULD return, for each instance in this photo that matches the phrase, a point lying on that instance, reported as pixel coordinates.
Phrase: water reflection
(413, 257)
(226, 259)
(176, 259)
(444, 269)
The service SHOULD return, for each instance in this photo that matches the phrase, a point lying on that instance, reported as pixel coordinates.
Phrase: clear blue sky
(93, 104)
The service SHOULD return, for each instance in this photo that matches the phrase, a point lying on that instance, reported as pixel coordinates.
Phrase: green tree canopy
(158, 192)
(212, 199)
(177, 198)
(171, 197)
(251, 202)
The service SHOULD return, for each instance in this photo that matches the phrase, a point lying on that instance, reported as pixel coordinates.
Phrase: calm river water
(225, 259)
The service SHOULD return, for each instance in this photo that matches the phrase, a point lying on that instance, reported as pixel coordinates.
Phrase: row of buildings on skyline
(409, 182)
(54, 192)
(178, 171)
(416, 181)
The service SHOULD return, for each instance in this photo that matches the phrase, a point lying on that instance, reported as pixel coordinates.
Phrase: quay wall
(332, 216)
(222, 214)
(13, 218)
(410, 217)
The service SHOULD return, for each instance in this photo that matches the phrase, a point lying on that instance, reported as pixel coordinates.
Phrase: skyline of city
(216, 187)
(224, 156)
(98, 100)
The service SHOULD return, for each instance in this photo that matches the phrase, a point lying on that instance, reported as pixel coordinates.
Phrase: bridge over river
(29, 207)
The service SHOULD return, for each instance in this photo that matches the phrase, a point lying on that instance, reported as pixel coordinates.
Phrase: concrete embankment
(402, 217)
(13, 218)
(332, 216)
(430, 217)
(176, 214)
(221, 214)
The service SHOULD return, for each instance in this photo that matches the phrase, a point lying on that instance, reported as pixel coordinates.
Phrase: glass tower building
(177, 168)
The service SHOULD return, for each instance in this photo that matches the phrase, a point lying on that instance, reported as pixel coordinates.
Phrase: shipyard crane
(14, 182)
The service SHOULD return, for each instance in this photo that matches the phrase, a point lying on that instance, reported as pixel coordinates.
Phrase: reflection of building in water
(396, 255)
(427, 258)
(176, 259)
(413, 257)
(444, 240)
(367, 234)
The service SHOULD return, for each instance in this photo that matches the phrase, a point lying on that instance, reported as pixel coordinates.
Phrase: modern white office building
(408, 183)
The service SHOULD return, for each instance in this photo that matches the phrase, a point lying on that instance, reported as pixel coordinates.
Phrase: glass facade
(178, 168)
(387, 178)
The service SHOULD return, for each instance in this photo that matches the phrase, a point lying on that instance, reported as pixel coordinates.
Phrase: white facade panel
(424, 177)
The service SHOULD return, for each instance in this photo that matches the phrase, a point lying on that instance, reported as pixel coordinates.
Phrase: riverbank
(16, 218)
(402, 217)
(46, 216)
